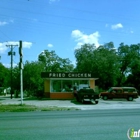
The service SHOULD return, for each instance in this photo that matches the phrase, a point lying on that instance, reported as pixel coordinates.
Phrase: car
(128, 93)
(87, 94)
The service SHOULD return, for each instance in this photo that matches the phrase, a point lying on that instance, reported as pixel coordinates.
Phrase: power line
(60, 16)
(72, 9)
(57, 24)
(5, 34)
(61, 24)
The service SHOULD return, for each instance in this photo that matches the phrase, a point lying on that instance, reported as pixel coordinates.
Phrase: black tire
(105, 97)
(82, 101)
(130, 98)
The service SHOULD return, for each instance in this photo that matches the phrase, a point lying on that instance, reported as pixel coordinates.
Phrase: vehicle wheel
(130, 98)
(105, 97)
(82, 100)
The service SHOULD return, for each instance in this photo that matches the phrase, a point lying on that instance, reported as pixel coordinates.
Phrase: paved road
(69, 125)
(109, 104)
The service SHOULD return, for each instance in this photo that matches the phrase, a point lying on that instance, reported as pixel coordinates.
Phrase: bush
(39, 94)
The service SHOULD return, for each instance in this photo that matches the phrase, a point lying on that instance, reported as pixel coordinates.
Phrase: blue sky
(64, 25)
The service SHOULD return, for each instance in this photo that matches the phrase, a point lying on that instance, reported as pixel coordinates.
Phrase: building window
(56, 86)
(67, 85)
(84, 81)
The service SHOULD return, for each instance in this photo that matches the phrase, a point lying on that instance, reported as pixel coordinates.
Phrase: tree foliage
(52, 62)
(113, 66)
(4, 76)
(101, 61)
(32, 76)
(128, 57)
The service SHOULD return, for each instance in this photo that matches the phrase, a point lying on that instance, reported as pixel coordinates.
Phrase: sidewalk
(40, 103)
(109, 104)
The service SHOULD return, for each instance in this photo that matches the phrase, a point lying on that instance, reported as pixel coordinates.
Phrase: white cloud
(117, 26)
(2, 23)
(82, 38)
(3, 46)
(50, 45)
(27, 44)
(9, 65)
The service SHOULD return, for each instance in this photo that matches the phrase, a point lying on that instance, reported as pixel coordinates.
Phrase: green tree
(133, 78)
(16, 78)
(106, 66)
(52, 62)
(134, 67)
(4, 76)
(84, 58)
(128, 57)
(101, 61)
(32, 80)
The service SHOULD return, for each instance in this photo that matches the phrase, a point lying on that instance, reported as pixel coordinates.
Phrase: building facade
(59, 85)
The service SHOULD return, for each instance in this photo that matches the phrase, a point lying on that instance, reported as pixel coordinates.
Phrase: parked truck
(87, 94)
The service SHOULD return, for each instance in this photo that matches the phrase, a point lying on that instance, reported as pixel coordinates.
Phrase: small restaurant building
(59, 85)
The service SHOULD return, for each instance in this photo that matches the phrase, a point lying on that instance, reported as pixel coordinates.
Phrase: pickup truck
(87, 94)
(128, 93)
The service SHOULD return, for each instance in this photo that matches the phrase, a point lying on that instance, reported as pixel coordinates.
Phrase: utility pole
(11, 53)
(21, 71)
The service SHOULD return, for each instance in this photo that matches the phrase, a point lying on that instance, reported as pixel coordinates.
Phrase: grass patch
(35, 98)
(17, 108)
(28, 108)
